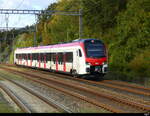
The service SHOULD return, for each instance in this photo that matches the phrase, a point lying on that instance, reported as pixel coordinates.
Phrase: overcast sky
(21, 20)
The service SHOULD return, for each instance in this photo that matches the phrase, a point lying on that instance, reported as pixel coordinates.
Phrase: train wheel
(74, 73)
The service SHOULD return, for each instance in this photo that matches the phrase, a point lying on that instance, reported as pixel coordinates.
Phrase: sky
(18, 20)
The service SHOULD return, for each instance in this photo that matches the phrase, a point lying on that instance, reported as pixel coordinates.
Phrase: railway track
(15, 99)
(123, 86)
(110, 84)
(81, 97)
(24, 108)
(137, 89)
(89, 92)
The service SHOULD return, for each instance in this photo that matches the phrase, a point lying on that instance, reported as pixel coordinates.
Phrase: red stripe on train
(31, 60)
(39, 61)
(44, 61)
(56, 62)
(64, 62)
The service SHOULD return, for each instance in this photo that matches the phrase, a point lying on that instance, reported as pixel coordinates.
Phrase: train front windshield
(94, 49)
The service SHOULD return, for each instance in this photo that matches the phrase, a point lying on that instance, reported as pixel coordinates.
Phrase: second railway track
(15, 99)
(23, 107)
(85, 92)
(123, 86)
(108, 83)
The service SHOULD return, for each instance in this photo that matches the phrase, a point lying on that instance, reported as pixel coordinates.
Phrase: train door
(20, 58)
(31, 60)
(53, 61)
(39, 60)
(48, 60)
(44, 60)
(69, 61)
(56, 62)
(79, 61)
(64, 62)
(26, 59)
(36, 59)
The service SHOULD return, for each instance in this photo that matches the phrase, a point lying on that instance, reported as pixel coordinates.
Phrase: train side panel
(62, 59)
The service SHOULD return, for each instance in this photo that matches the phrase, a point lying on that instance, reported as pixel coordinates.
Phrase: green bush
(141, 64)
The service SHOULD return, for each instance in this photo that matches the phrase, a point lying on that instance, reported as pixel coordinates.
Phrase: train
(78, 57)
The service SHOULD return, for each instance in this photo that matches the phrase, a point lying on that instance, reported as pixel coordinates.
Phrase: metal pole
(13, 37)
(0, 51)
(35, 28)
(80, 24)
(7, 20)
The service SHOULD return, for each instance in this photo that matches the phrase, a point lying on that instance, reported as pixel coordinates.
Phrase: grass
(5, 108)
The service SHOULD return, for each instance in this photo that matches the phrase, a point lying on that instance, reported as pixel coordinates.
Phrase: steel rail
(104, 83)
(130, 103)
(84, 98)
(124, 89)
(127, 84)
(111, 85)
(22, 106)
(94, 102)
(49, 101)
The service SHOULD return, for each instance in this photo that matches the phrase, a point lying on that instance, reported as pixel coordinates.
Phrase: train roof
(72, 43)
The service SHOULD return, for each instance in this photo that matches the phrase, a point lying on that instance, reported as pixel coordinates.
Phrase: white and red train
(79, 57)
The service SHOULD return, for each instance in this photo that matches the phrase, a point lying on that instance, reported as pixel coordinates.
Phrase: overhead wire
(19, 17)
(19, 4)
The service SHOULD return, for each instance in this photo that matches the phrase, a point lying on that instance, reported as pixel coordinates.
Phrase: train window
(39, 57)
(33, 56)
(80, 54)
(95, 49)
(16, 56)
(69, 57)
(48, 57)
(29, 57)
(53, 57)
(42, 57)
(36, 56)
(26, 55)
(20, 56)
(60, 58)
(23, 56)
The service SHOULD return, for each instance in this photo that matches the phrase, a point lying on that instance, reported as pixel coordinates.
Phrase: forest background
(123, 25)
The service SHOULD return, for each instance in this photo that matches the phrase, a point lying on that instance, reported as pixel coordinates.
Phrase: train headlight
(104, 63)
(87, 63)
